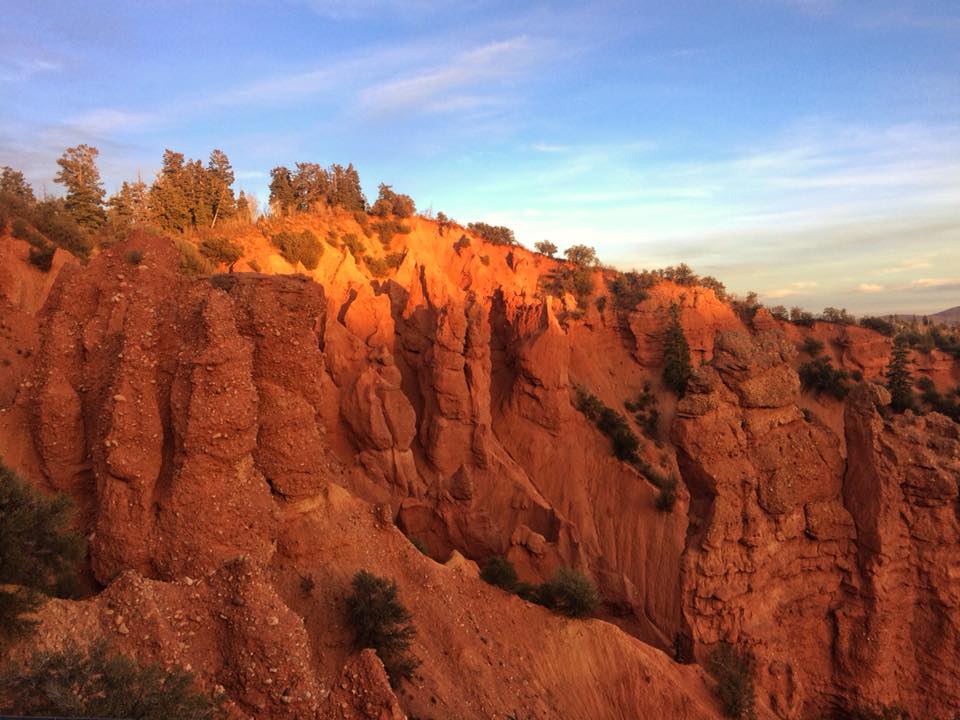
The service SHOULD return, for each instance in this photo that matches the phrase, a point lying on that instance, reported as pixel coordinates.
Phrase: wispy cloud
(951, 283)
(106, 121)
(869, 288)
(21, 69)
(906, 266)
(802, 287)
(466, 81)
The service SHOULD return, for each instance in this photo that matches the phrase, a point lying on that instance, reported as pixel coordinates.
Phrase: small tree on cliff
(380, 621)
(899, 381)
(546, 247)
(85, 193)
(38, 553)
(676, 354)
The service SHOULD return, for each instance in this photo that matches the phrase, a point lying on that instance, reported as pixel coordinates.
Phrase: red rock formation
(252, 430)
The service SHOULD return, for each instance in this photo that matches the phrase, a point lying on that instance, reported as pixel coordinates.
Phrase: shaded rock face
(182, 396)
(901, 644)
(836, 574)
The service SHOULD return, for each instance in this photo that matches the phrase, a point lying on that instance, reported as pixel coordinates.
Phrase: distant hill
(948, 316)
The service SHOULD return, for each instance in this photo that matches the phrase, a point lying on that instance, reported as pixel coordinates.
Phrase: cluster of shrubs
(102, 683)
(629, 289)
(734, 672)
(381, 267)
(948, 404)
(39, 555)
(388, 229)
(391, 203)
(493, 234)
(353, 245)
(46, 225)
(219, 250)
(568, 592)
(646, 413)
(302, 247)
(625, 444)
(820, 376)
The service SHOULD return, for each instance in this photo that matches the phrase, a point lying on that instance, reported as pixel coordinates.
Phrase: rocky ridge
(227, 437)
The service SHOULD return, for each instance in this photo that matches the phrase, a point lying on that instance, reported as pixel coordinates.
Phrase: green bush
(38, 551)
(52, 219)
(380, 621)
(646, 413)
(493, 234)
(221, 250)
(820, 376)
(192, 263)
(381, 267)
(610, 423)
(500, 572)
(42, 257)
(100, 683)
(884, 327)
(352, 243)
(629, 289)
(811, 346)
(733, 672)
(302, 247)
(569, 592)
(799, 316)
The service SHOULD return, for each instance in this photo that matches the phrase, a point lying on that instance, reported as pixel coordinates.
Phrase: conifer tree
(129, 204)
(899, 380)
(676, 355)
(282, 196)
(199, 194)
(15, 185)
(169, 199)
(79, 174)
(220, 178)
(311, 186)
(244, 207)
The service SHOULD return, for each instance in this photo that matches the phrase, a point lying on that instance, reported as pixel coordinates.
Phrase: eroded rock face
(199, 421)
(770, 542)
(836, 574)
(903, 474)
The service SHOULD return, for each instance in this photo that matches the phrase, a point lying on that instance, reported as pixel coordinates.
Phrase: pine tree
(282, 196)
(199, 194)
(311, 186)
(899, 381)
(169, 199)
(244, 207)
(79, 174)
(220, 172)
(129, 204)
(676, 355)
(15, 185)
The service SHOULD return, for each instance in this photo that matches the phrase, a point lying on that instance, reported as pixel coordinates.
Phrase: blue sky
(805, 149)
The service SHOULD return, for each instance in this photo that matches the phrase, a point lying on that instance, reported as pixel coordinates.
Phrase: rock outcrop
(240, 445)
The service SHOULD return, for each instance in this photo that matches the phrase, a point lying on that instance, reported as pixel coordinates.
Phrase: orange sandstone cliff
(226, 437)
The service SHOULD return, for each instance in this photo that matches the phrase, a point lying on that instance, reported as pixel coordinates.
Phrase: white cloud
(935, 283)
(461, 82)
(869, 288)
